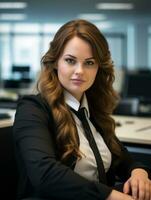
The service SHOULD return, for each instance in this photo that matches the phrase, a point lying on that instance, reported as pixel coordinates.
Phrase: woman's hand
(138, 185)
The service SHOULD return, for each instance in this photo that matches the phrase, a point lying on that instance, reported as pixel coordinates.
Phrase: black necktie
(82, 117)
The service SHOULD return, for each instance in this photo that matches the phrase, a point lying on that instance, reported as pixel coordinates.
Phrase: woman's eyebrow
(90, 58)
(70, 55)
(76, 57)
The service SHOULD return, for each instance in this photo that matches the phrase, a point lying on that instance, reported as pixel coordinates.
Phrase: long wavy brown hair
(101, 96)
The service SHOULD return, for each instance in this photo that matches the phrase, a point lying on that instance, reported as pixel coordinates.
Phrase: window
(26, 51)
(24, 45)
(117, 45)
(5, 55)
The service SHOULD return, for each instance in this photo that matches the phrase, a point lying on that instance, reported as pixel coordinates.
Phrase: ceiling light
(92, 16)
(13, 5)
(12, 16)
(114, 6)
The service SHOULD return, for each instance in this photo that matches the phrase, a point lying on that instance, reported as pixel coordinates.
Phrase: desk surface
(133, 129)
(7, 122)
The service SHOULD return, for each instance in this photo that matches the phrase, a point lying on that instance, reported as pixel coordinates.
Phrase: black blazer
(41, 172)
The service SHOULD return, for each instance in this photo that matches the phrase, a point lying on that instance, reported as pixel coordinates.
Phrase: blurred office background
(28, 26)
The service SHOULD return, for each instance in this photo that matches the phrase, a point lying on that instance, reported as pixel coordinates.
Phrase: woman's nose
(79, 68)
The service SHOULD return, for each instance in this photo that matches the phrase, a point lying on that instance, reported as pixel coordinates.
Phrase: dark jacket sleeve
(34, 131)
(125, 163)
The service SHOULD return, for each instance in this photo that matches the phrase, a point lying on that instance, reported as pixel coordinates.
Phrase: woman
(55, 159)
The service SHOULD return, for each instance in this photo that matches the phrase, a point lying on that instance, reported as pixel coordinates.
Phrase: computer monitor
(20, 68)
(20, 78)
(138, 85)
(22, 73)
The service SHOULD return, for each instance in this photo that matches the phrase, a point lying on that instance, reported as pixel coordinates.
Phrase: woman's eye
(90, 62)
(70, 61)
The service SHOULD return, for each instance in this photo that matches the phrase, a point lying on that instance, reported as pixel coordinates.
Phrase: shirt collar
(75, 104)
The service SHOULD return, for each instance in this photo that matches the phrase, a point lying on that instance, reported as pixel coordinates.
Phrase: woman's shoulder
(33, 102)
(32, 99)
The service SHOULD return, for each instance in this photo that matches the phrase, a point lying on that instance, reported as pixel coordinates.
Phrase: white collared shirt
(87, 166)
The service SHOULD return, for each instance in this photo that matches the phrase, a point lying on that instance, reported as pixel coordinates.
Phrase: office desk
(135, 133)
(7, 122)
(133, 129)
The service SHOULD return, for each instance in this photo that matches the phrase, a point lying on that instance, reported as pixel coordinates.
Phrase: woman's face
(77, 67)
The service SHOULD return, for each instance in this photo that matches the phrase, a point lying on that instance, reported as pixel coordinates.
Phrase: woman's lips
(77, 81)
